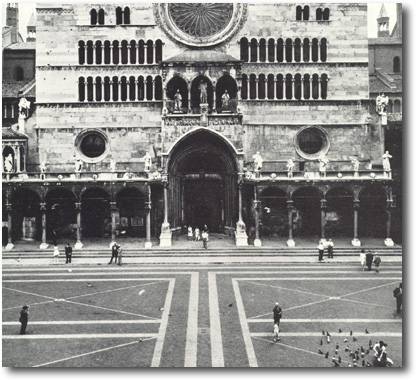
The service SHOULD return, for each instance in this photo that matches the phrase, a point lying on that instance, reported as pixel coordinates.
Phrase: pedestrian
(377, 262)
(321, 251)
(197, 234)
(205, 238)
(380, 354)
(362, 259)
(24, 318)
(119, 255)
(276, 333)
(369, 260)
(398, 294)
(277, 314)
(55, 254)
(114, 252)
(68, 253)
(190, 233)
(330, 249)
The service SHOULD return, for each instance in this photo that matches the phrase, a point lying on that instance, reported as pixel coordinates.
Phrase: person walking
(197, 234)
(205, 236)
(190, 233)
(114, 253)
(362, 259)
(68, 253)
(24, 318)
(119, 255)
(321, 249)
(276, 333)
(377, 262)
(398, 294)
(330, 249)
(369, 260)
(277, 314)
(55, 254)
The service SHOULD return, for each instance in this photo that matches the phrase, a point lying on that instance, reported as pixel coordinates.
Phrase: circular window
(92, 145)
(311, 142)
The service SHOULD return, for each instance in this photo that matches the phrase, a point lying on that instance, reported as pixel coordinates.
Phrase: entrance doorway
(95, 213)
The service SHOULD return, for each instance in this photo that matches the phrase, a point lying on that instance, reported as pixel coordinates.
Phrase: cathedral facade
(252, 119)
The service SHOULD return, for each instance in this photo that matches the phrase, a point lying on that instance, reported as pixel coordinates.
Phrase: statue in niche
(178, 101)
(147, 162)
(78, 165)
(382, 102)
(258, 162)
(24, 107)
(203, 96)
(386, 162)
(225, 101)
(323, 163)
(8, 163)
(290, 166)
(113, 165)
(355, 164)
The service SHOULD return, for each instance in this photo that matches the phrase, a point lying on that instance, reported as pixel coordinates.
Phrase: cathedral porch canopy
(201, 56)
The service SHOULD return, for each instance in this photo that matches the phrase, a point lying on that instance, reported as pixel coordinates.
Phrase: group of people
(68, 253)
(116, 254)
(196, 234)
(368, 258)
(327, 245)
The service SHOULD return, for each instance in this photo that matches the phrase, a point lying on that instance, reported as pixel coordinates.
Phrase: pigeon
(367, 352)
(89, 284)
(141, 292)
(354, 339)
(328, 334)
(362, 354)
(321, 343)
(350, 332)
(345, 340)
(362, 349)
(69, 270)
(323, 332)
(339, 359)
(370, 343)
(346, 349)
(349, 365)
(320, 352)
(355, 364)
(339, 330)
(334, 358)
(366, 331)
(328, 339)
(337, 346)
(363, 363)
(230, 305)
(336, 352)
(162, 308)
(336, 364)
(326, 355)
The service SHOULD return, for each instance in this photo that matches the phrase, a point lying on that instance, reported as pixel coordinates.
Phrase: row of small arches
(120, 88)
(281, 50)
(122, 16)
(302, 13)
(119, 52)
(272, 87)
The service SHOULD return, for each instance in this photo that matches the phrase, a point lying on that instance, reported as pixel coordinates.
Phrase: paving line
(362, 303)
(367, 289)
(319, 334)
(317, 278)
(217, 354)
(87, 322)
(90, 353)
(157, 354)
(191, 345)
(78, 336)
(325, 320)
(29, 293)
(89, 280)
(251, 355)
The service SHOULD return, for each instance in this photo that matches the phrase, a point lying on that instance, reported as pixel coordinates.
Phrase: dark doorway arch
(195, 93)
(307, 213)
(226, 82)
(95, 213)
(372, 213)
(130, 204)
(26, 219)
(203, 182)
(339, 213)
(274, 214)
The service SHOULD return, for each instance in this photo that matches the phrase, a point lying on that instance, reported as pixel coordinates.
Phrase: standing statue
(386, 163)
(290, 166)
(113, 165)
(78, 165)
(225, 100)
(258, 162)
(24, 106)
(8, 163)
(355, 164)
(323, 163)
(178, 101)
(382, 102)
(203, 97)
(147, 162)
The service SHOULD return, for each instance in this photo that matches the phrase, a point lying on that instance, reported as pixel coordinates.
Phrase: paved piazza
(197, 315)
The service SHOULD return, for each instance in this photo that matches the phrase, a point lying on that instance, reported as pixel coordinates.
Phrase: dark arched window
(101, 15)
(262, 86)
(270, 86)
(93, 17)
(149, 88)
(289, 86)
(318, 14)
(306, 56)
(253, 87)
(306, 86)
(115, 88)
(323, 50)
(133, 53)
(298, 86)
(397, 107)
(324, 86)
(288, 50)
(123, 89)
(396, 65)
(140, 88)
(271, 50)
(107, 52)
(253, 50)
(299, 13)
(262, 50)
(297, 49)
(90, 90)
(325, 14)
(98, 53)
(107, 89)
(244, 49)
(244, 86)
(315, 86)
(315, 50)
(159, 46)
(19, 73)
(126, 15)
(279, 86)
(306, 13)
(115, 52)
(81, 52)
(279, 50)
(119, 16)
(81, 89)
(124, 53)
(90, 52)
(141, 52)
(158, 88)
(98, 89)
(132, 88)
(149, 51)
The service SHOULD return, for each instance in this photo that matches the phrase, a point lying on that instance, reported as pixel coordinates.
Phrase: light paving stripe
(78, 336)
(317, 278)
(217, 354)
(317, 334)
(157, 354)
(90, 280)
(90, 322)
(192, 326)
(251, 355)
(323, 320)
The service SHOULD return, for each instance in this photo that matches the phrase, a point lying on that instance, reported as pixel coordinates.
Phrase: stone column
(78, 244)
(249, 52)
(127, 89)
(275, 88)
(284, 52)
(148, 205)
(111, 90)
(189, 98)
(256, 208)
(302, 90)
(144, 89)
(290, 242)
(10, 244)
(166, 233)
(256, 86)
(119, 89)
(94, 90)
(248, 87)
(114, 210)
(388, 241)
(284, 87)
(43, 244)
(319, 88)
(214, 97)
(356, 207)
(240, 232)
(145, 54)
(17, 158)
(153, 89)
(323, 214)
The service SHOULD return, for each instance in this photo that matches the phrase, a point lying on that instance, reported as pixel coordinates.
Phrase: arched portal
(339, 213)
(372, 214)
(130, 203)
(200, 85)
(95, 213)
(26, 220)
(307, 215)
(274, 214)
(203, 182)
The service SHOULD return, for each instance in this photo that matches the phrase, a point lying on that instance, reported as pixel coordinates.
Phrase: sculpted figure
(323, 163)
(382, 102)
(258, 161)
(290, 166)
(24, 106)
(113, 165)
(355, 164)
(178, 101)
(203, 97)
(225, 100)
(78, 165)
(386, 161)
(8, 163)
(147, 162)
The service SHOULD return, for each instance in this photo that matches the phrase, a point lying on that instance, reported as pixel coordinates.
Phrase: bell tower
(383, 23)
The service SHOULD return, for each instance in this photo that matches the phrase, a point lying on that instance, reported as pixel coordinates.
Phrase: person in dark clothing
(398, 294)
(68, 253)
(205, 236)
(277, 313)
(369, 260)
(114, 253)
(24, 318)
(330, 249)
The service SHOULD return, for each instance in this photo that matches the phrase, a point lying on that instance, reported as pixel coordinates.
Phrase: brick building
(219, 97)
